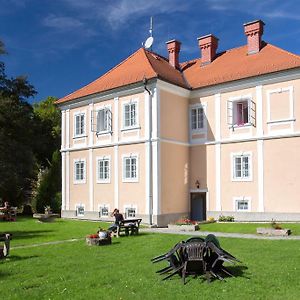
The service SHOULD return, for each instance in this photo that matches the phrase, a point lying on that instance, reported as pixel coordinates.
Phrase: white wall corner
(116, 176)
(218, 177)
(91, 180)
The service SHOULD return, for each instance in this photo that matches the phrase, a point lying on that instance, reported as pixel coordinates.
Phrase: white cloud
(62, 23)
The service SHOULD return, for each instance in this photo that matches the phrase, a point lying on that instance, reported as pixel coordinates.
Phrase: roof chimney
(254, 31)
(174, 49)
(208, 45)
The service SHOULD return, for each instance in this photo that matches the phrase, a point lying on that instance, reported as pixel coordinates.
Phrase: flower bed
(98, 239)
(184, 224)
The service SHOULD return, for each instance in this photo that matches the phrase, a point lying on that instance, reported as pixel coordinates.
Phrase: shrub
(185, 221)
(226, 218)
(211, 219)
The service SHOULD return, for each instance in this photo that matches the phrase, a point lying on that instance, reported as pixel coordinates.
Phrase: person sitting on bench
(118, 218)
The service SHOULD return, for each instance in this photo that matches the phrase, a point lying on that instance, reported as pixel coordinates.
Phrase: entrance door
(198, 206)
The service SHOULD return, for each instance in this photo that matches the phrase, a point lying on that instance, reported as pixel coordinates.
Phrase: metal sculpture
(196, 256)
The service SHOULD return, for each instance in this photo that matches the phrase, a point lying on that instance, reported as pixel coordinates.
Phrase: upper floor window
(197, 118)
(241, 111)
(79, 124)
(130, 114)
(130, 212)
(242, 167)
(130, 168)
(79, 171)
(103, 170)
(104, 120)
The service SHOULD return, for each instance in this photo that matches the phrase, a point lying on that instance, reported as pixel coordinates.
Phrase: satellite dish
(149, 42)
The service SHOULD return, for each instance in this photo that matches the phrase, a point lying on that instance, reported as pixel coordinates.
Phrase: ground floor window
(80, 210)
(130, 212)
(103, 211)
(242, 205)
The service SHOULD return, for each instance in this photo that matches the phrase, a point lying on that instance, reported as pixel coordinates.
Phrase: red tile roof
(140, 64)
(228, 66)
(235, 64)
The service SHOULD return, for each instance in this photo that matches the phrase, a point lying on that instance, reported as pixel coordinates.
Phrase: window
(79, 124)
(79, 171)
(130, 114)
(103, 211)
(242, 167)
(80, 210)
(130, 212)
(104, 120)
(241, 111)
(242, 204)
(130, 168)
(103, 169)
(197, 118)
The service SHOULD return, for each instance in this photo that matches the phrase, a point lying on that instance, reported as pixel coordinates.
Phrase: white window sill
(241, 179)
(103, 181)
(243, 210)
(79, 136)
(131, 128)
(129, 180)
(80, 216)
(235, 126)
(282, 121)
(201, 130)
(79, 181)
(104, 132)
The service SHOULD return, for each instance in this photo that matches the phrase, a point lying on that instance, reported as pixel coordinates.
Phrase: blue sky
(62, 45)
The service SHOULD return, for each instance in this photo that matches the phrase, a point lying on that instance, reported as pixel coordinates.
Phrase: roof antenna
(149, 42)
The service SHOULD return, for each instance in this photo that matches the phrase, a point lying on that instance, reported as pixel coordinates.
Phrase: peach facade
(182, 145)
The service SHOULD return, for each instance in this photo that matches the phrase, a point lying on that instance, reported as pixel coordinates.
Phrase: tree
(17, 160)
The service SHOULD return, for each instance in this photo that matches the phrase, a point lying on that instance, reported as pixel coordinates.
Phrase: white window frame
(83, 134)
(291, 118)
(131, 179)
(232, 105)
(241, 198)
(103, 158)
(233, 166)
(100, 207)
(108, 125)
(198, 106)
(126, 207)
(136, 125)
(77, 206)
(75, 180)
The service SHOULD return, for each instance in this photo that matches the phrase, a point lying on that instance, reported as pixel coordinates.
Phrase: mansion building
(161, 139)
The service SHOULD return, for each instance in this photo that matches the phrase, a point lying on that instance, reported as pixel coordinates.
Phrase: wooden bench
(128, 226)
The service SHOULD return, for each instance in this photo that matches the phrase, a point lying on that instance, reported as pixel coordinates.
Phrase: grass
(235, 227)
(270, 269)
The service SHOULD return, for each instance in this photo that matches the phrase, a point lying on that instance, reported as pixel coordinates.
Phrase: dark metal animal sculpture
(196, 256)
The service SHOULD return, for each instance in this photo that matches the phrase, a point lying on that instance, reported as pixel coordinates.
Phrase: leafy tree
(17, 160)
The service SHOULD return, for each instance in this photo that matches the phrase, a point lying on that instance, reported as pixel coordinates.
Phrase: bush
(226, 218)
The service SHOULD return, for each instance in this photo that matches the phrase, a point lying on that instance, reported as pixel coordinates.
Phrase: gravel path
(221, 234)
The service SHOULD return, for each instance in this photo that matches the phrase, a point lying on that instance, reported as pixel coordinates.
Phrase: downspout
(145, 80)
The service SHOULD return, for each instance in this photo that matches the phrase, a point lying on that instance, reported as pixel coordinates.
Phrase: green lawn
(270, 269)
(246, 227)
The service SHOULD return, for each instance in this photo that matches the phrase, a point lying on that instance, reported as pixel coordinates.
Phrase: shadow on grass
(28, 234)
(237, 271)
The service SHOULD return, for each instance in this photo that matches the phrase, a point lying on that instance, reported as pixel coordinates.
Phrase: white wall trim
(259, 111)
(155, 179)
(218, 177)
(91, 180)
(218, 115)
(63, 129)
(260, 175)
(89, 121)
(174, 89)
(63, 183)
(67, 180)
(67, 129)
(116, 176)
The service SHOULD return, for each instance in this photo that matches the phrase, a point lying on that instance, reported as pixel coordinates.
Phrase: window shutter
(230, 113)
(94, 121)
(109, 119)
(252, 113)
